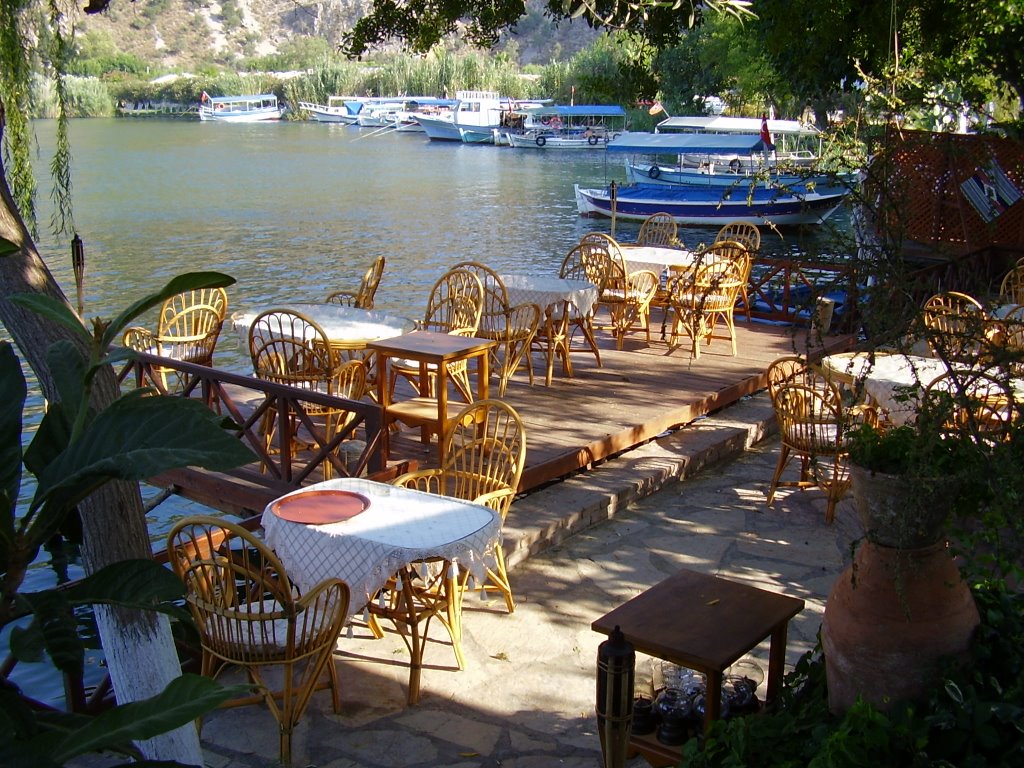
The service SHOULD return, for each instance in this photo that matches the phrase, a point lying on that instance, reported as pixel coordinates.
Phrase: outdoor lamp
(78, 265)
(615, 665)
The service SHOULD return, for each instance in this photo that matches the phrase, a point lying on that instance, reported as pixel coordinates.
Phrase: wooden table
(705, 623)
(428, 348)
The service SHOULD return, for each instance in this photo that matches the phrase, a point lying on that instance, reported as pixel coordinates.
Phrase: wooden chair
(249, 614)
(700, 300)
(363, 296)
(748, 236)
(626, 295)
(813, 425)
(187, 329)
(455, 306)
(486, 451)
(579, 264)
(970, 404)
(659, 229)
(512, 327)
(1011, 289)
(288, 348)
(954, 326)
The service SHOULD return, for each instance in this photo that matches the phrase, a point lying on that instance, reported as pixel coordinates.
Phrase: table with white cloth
(388, 544)
(894, 382)
(659, 260)
(561, 299)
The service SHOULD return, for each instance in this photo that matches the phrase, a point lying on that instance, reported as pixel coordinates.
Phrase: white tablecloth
(400, 526)
(549, 291)
(893, 377)
(341, 324)
(657, 260)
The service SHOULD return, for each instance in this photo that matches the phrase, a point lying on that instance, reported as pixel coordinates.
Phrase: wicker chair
(362, 297)
(954, 326)
(249, 614)
(971, 405)
(749, 237)
(659, 229)
(700, 300)
(626, 295)
(486, 450)
(455, 306)
(813, 425)
(512, 327)
(188, 328)
(289, 348)
(579, 264)
(1011, 289)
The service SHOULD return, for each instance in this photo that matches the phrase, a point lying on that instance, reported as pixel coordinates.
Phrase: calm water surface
(294, 211)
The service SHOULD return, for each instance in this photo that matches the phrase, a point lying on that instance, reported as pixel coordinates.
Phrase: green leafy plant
(75, 450)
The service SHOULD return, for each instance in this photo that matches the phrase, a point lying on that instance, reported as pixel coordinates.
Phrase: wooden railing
(784, 290)
(252, 405)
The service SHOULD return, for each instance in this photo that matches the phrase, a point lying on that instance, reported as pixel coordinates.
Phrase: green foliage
(971, 717)
(300, 53)
(75, 450)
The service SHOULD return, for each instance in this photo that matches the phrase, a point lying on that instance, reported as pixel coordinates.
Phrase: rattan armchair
(700, 300)
(188, 327)
(587, 265)
(512, 327)
(972, 405)
(363, 296)
(813, 425)
(1011, 289)
(659, 229)
(625, 295)
(954, 325)
(249, 614)
(455, 306)
(288, 348)
(484, 458)
(749, 237)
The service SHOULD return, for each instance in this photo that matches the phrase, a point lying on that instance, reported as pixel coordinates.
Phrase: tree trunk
(139, 648)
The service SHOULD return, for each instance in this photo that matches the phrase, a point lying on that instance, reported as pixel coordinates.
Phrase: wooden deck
(637, 394)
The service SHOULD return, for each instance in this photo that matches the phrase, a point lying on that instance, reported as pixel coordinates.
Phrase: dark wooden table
(705, 623)
(428, 348)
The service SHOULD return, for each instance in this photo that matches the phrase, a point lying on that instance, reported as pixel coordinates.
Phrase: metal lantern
(616, 661)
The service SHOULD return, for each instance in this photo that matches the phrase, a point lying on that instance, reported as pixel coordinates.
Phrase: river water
(296, 210)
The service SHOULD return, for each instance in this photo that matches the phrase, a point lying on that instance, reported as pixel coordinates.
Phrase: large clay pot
(897, 511)
(889, 619)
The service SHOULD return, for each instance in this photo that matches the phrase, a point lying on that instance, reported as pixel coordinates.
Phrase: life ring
(592, 140)
(654, 172)
(541, 141)
(735, 165)
(546, 119)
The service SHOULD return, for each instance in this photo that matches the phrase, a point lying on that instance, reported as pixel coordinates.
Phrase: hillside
(186, 34)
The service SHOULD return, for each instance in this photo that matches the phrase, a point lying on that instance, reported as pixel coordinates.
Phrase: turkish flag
(766, 135)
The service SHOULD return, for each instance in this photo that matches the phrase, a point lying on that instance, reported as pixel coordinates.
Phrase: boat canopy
(261, 97)
(580, 110)
(687, 143)
(720, 124)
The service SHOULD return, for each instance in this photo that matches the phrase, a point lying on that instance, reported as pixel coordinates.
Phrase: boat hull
(252, 116)
(696, 206)
(668, 176)
(439, 129)
(543, 141)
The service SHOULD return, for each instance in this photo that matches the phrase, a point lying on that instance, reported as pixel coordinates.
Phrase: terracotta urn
(889, 620)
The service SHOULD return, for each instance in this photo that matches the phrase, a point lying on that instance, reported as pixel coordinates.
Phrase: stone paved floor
(526, 697)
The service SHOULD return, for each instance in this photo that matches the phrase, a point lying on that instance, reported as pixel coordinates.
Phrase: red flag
(766, 136)
(204, 97)
(655, 108)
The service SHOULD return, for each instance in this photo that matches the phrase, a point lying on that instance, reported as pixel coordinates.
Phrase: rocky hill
(189, 33)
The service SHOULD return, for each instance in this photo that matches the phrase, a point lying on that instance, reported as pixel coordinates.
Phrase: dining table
(560, 298)
(894, 382)
(657, 259)
(381, 540)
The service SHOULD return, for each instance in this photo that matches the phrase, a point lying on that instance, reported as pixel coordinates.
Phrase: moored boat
(711, 206)
(581, 126)
(339, 109)
(240, 109)
(795, 144)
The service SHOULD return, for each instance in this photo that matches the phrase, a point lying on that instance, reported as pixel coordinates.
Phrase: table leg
(776, 661)
(712, 697)
(484, 372)
(384, 401)
(442, 409)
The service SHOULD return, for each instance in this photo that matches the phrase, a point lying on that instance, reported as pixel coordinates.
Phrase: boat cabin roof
(689, 143)
(579, 110)
(246, 98)
(720, 124)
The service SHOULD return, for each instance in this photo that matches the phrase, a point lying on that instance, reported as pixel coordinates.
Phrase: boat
(796, 144)
(711, 206)
(240, 109)
(660, 158)
(573, 127)
(475, 118)
(339, 109)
